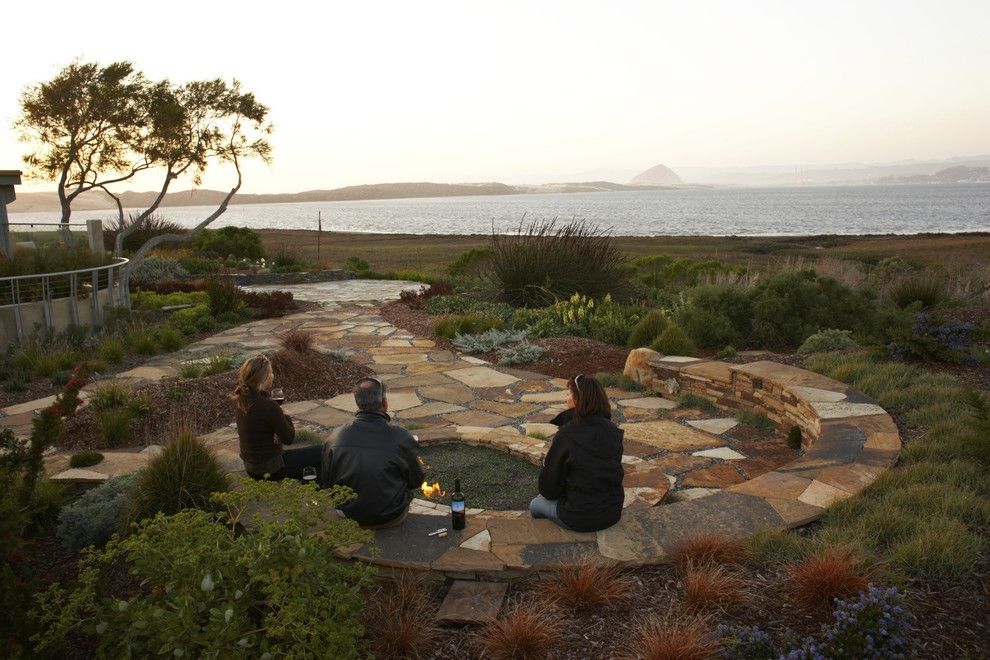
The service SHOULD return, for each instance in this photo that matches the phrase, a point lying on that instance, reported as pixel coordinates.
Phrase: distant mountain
(658, 175)
(957, 174)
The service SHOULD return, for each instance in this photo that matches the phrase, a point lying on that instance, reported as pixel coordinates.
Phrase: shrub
(469, 262)
(356, 264)
(825, 341)
(522, 353)
(696, 401)
(209, 588)
(704, 549)
(97, 514)
(673, 341)
(84, 459)
(47, 500)
(110, 395)
(619, 381)
(926, 291)
(156, 269)
(755, 419)
(746, 643)
(769, 547)
(309, 437)
(184, 475)
(287, 261)
(589, 586)
(298, 341)
(268, 304)
(546, 261)
(527, 632)
(140, 340)
(671, 636)
(224, 296)
(941, 550)
(874, 625)
(613, 323)
(169, 338)
(488, 340)
(648, 329)
(188, 321)
(153, 225)
(710, 587)
(448, 304)
(399, 620)
(825, 576)
(237, 242)
(794, 439)
(111, 350)
(464, 324)
(152, 300)
(727, 352)
(928, 337)
(715, 315)
(115, 426)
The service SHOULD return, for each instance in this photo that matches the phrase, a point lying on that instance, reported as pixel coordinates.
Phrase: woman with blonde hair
(264, 429)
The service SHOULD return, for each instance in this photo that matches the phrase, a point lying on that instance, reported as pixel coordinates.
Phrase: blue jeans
(541, 507)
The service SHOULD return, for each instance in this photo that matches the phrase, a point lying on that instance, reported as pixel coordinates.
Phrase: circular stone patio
(725, 484)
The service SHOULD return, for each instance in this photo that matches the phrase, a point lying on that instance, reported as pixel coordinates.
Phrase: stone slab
(482, 377)
(428, 410)
(507, 409)
(545, 397)
(822, 495)
(480, 541)
(715, 426)
(448, 393)
(472, 602)
(669, 435)
(723, 453)
(843, 409)
(477, 418)
(464, 560)
(326, 416)
(816, 395)
(716, 476)
(408, 544)
(528, 531)
(774, 484)
(649, 403)
(714, 370)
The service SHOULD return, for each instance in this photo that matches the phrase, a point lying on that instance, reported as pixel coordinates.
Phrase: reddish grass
(526, 632)
(671, 637)
(709, 549)
(711, 587)
(589, 586)
(298, 341)
(398, 620)
(825, 576)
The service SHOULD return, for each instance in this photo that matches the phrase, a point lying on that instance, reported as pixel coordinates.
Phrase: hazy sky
(364, 92)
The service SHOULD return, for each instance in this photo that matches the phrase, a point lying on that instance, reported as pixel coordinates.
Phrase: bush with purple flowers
(928, 337)
(746, 643)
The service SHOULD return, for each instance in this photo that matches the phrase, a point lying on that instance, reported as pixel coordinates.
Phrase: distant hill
(957, 174)
(47, 202)
(658, 175)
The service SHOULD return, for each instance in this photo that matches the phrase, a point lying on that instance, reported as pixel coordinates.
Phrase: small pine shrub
(711, 587)
(465, 324)
(589, 586)
(97, 514)
(705, 549)
(794, 439)
(648, 329)
(399, 620)
(84, 459)
(488, 340)
(824, 576)
(825, 341)
(115, 426)
(527, 632)
(299, 341)
(184, 475)
(673, 341)
(672, 636)
(727, 352)
(522, 353)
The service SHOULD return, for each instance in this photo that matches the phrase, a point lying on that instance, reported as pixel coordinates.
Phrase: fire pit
(490, 479)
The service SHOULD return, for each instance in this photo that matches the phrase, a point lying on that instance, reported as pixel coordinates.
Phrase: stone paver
(472, 602)
(482, 377)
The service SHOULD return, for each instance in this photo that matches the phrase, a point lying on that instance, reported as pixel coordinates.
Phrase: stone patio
(725, 481)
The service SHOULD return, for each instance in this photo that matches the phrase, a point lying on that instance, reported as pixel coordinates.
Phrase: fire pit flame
(432, 491)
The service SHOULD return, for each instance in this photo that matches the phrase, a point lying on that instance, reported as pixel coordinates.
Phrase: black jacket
(379, 461)
(262, 432)
(583, 472)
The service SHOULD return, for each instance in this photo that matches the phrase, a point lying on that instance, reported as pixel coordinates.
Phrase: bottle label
(457, 507)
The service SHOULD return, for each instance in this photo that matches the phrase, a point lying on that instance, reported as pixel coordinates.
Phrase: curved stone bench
(848, 441)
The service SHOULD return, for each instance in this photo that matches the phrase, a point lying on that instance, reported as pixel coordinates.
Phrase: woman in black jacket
(264, 429)
(581, 478)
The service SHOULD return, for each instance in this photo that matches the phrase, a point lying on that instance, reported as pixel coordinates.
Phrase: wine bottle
(457, 507)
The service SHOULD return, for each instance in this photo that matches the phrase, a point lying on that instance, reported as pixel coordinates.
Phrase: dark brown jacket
(263, 430)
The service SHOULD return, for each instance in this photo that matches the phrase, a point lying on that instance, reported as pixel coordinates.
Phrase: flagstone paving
(724, 484)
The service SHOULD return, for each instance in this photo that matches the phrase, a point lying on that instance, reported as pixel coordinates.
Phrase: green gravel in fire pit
(490, 479)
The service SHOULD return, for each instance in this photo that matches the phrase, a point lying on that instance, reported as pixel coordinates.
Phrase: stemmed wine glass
(309, 474)
(278, 395)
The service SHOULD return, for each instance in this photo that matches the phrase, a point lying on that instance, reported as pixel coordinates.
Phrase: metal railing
(72, 285)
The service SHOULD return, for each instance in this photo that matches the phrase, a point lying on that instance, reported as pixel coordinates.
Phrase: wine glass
(278, 395)
(309, 474)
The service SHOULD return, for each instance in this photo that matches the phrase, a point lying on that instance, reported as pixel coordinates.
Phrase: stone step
(472, 602)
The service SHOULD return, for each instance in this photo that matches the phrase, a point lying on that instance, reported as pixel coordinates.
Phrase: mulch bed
(201, 404)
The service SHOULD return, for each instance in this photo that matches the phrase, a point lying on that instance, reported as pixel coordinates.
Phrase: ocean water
(877, 209)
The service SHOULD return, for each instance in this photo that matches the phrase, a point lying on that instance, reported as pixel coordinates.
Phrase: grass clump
(521, 353)
(115, 426)
(308, 437)
(183, 476)
(111, 350)
(824, 576)
(526, 632)
(488, 340)
(942, 549)
(648, 329)
(696, 401)
(449, 327)
(670, 636)
(706, 549)
(399, 618)
(727, 352)
(825, 341)
(674, 341)
(770, 547)
(754, 419)
(712, 587)
(84, 459)
(618, 381)
(299, 341)
(589, 586)
(925, 291)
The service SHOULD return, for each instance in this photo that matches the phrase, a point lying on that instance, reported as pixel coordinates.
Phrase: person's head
(369, 395)
(254, 376)
(587, 396)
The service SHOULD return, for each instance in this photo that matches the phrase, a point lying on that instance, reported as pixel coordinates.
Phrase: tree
(86, 122)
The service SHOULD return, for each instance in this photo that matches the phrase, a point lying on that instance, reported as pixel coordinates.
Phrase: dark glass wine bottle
(457, 507)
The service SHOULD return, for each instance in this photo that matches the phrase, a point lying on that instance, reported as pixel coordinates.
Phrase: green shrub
(468, 262)
(217, 364)
(673, 341)
(755, 419)
(942, 550)
(140, 340)
(356, 264)
(152, 301)
(153, 225)
(308, 437)
(772, 547)
(463, 305)
(613, 324)
(696, 401)
(110, 395)
(224, 296)
(115, 426)
(111, 350)
(61, 377)
(727, 352)
(488, 340)
(619, 381)
(825, 341)
(169, 337)
(184, 475)
(794, 438)
(84, 459)
(545, 261)
(97, 514)
(287, 261)
(157, 269)
(648, 329)
(465, 324)
(210, 589)
(521, 353)
(188, 321)
(47, 500)
(924, 290)
(237, 242)
(715, 315)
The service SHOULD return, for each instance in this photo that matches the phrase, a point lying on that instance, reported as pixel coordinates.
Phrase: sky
(368, 92)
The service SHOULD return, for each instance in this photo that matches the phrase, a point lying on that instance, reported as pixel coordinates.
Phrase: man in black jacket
(376, 459)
